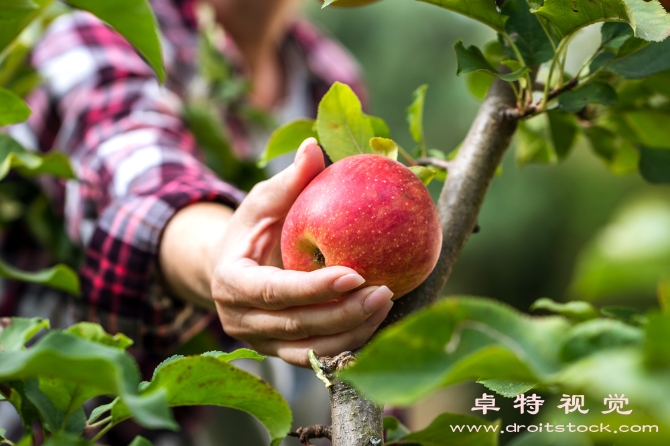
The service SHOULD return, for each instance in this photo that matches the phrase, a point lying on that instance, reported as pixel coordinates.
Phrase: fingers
(274, 197)
(296, 352)
(329, 318)
(272, 288)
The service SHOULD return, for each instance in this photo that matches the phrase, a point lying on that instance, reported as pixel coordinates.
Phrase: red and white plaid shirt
(136, 162)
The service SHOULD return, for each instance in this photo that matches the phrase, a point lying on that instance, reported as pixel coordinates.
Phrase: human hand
(287, 313)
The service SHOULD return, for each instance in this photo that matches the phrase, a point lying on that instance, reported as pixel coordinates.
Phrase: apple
(351, 3)
(368, 213)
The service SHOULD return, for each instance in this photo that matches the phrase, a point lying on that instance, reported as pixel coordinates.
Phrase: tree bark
(356, 421)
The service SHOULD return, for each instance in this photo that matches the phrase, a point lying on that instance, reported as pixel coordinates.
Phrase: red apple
(369, 213)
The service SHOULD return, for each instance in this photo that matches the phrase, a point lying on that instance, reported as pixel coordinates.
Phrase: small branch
(307, 433)
(440, 164)
(536, 107)
(408, 158)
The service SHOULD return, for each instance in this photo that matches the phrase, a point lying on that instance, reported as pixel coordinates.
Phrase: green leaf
(21, 330)
(614, 150)
(547, 138)
(208, 380)
(415, 114)
(507, 388)
(596, 92)
(240, 353)
(52, 417)
(525, 30)
(384, 147)
(60, 277)
(455, 340)
(481, 10)
(99, 411)
(140, 441)
(94, 332)
(15, 15)
(395, 430)
(343, 128)
(649, 60)
(66, 440)
(629, 255)
(13, 155)
(657, 347)
(614, 34)
(135, 21)
(655, 165)
(444, 431)
(625, 314)
(287, 139)
(379, 127)
(576, 311)
(425, 174)
(26, 410)
(471, 59)
(99, 369)
(12, 108)
(479, 83)
(596, 335)
(649, 19)
(650, 127)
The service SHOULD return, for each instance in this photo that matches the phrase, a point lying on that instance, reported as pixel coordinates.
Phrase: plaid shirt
(136, 162)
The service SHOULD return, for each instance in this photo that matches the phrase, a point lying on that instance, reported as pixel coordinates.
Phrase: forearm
(189, 250)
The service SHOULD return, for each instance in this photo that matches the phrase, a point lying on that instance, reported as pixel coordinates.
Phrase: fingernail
(303, 148)
(376, 299)
(379, 315)
(347, 283)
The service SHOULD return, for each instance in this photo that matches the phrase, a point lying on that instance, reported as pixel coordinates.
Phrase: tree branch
(356, 421)
(440, 164)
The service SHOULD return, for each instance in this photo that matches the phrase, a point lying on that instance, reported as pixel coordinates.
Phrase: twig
(440, 164)
(307, 433)
(535, 107)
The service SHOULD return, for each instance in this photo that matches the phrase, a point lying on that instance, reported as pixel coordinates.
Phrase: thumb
(274, 197)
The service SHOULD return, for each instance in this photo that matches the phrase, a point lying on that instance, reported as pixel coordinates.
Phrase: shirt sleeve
(136, 163)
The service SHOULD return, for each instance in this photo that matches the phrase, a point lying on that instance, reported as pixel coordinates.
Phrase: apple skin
(351, 3)
(368, 213)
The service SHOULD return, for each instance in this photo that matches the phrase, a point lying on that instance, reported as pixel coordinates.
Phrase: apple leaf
(442, 432)
(415, 114)
(140, 441)
(547, 138)
(14, 156)
(649, 60)
(344, 130)
(657, 349)
(506, 387)
(596, 92)
(384, 147)
(597, 335)
(287, 139)
(135, 21)
(95, 333)
(21, 330)
(483, 11)
(424, 173)
(576, 311)
(455, 340)
(60, 277)
(526, 31)
(15, 15)
(471, 59)
(649, 19)
(614, 150)
(395, 430)
(12, 108)
(655, 165)
(96, 369)
(379, 127)
(210, 380)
